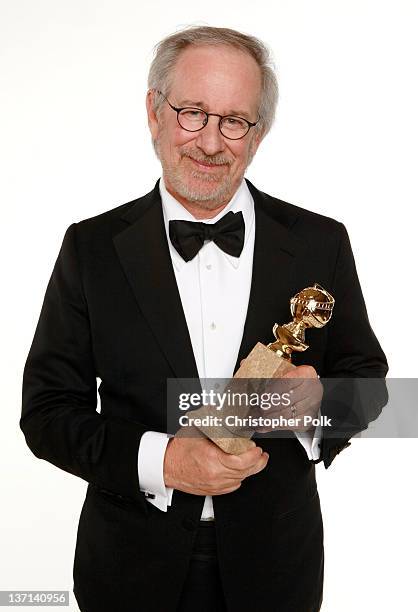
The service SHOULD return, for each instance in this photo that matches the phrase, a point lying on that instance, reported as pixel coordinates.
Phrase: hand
(196, 465)
(306, 391)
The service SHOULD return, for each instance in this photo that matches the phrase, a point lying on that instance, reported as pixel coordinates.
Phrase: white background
(74, 143)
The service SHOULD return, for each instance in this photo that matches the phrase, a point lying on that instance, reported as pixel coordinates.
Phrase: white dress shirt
(214, 289)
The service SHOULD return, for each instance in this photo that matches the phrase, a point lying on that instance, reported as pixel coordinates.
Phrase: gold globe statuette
(310, 308)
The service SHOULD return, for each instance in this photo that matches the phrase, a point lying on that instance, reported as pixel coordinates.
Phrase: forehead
(219, 76)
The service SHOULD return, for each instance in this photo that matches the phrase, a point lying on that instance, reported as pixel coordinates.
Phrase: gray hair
(167, 52)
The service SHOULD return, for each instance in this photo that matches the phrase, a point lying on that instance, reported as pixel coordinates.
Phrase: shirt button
(208, 266)
(212, 325)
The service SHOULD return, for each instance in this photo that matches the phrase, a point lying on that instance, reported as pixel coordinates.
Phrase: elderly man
(182, 283)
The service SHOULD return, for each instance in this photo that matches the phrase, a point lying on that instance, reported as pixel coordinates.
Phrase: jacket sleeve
(59, 398)
(353, 353)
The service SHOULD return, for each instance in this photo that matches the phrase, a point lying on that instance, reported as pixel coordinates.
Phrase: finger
(303, 371)
(219, 489)
(228, 489)
(303, 410)
(260, 465)
(254, 469)
(309, 388)
(242, 462)
(284, 384)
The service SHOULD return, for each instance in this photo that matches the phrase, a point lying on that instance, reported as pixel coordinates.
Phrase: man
(137, 297)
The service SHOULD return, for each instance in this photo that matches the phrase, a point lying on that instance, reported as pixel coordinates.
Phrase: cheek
(172, 137)
(241, 153)
(180, 138)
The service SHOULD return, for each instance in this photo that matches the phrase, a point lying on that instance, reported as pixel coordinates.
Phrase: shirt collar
(242, 200)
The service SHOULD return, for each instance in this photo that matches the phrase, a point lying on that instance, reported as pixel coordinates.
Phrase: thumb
(302, 371)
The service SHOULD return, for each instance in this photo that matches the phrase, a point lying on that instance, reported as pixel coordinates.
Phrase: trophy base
(263, 363)
(260, 363)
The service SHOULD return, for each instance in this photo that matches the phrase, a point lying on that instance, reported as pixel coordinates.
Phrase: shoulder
(110, 222)
(290, 214)
(307, 225)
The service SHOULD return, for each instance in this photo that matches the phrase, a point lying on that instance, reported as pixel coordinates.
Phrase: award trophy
(311, 307)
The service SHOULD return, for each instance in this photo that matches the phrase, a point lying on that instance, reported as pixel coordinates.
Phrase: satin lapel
(276, 254)
(144, 254)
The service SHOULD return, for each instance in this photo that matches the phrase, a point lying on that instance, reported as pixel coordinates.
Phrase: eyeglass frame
(221, 117)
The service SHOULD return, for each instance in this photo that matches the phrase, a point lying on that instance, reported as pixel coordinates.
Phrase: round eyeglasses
(194, 119)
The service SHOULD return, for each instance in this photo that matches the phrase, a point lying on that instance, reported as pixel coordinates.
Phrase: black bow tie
(228, 234)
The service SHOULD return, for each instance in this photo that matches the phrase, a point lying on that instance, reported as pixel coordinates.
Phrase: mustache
(215, 160)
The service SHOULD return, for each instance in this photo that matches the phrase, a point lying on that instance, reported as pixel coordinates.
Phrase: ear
(152, 117)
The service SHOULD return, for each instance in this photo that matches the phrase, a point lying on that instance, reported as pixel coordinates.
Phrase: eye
(193, 114)
(235, 122)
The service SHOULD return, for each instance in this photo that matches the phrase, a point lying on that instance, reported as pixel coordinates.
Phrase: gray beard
(209, 199)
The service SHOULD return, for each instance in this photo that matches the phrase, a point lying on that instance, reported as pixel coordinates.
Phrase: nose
(209, 139)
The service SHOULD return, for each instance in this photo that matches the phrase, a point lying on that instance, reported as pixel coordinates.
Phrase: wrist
(167, 465)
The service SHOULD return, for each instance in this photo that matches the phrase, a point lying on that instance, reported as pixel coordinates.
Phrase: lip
(206, 167)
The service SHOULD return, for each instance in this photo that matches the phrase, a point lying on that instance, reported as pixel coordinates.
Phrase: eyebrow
(202, 105)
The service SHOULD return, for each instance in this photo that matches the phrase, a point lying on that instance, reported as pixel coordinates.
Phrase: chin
(198, 187)
(205, 191)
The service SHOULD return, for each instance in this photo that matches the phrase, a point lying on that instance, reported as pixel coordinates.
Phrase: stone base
(260, 363)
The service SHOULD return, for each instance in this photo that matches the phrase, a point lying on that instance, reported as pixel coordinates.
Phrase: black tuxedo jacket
(112, 310)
